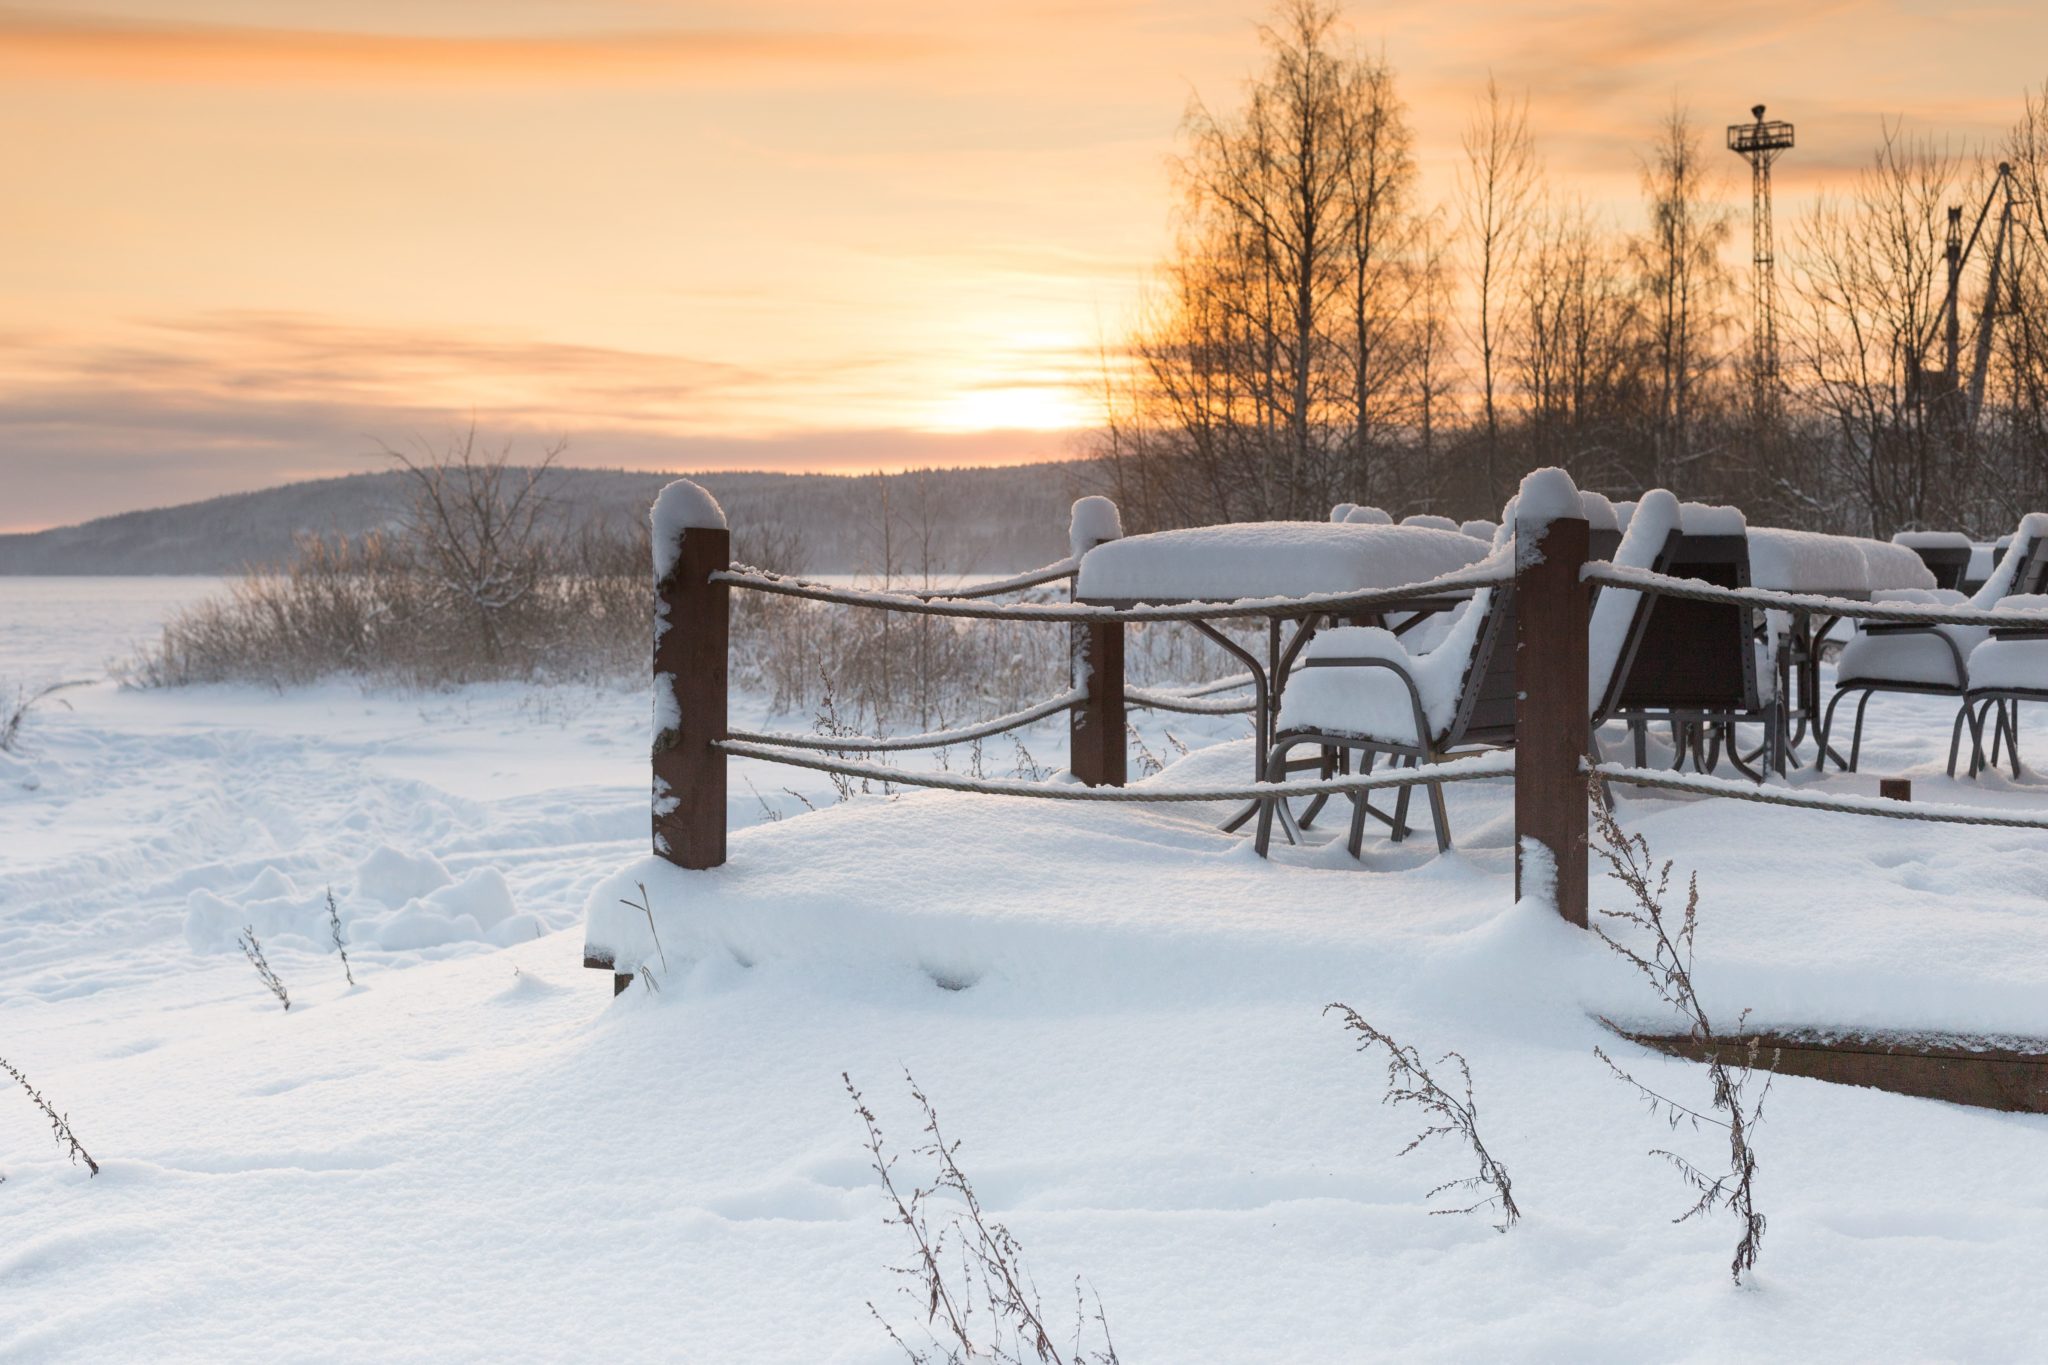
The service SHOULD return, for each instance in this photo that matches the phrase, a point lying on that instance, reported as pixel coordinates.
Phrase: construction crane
(1943, 389)
(1760, 143)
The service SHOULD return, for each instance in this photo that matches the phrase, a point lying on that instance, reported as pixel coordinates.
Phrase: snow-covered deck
(480, 1154)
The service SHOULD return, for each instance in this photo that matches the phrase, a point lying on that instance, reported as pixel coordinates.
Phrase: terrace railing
(1552, 764)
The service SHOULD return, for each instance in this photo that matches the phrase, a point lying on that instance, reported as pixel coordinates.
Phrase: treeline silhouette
(1320, 333)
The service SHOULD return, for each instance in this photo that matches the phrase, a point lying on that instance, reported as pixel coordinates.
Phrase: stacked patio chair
(1360, 691)
(1703, 668)
(1938, 660)
(1946, 554)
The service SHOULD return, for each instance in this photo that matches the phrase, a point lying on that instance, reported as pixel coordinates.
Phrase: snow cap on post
(1367, 516)
(680, 507)
(1094, 520)
(1546, 495)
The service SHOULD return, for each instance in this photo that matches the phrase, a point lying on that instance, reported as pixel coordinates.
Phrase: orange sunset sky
(241, 241)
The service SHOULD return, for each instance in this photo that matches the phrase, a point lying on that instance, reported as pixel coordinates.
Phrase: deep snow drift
(479, 1154)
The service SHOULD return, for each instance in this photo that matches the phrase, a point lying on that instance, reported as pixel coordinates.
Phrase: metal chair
(1918, 660)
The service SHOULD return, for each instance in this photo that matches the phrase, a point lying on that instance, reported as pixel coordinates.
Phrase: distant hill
(982, 520)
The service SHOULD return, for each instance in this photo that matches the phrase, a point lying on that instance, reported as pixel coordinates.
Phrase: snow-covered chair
(1362, 691)
(1706, 667)
(1946, 554)
(1935, 660)
(2005, 670)
(1358, 690)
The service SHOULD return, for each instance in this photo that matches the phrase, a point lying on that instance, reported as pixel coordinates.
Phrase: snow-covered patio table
(1851, 567)
(1264, 560)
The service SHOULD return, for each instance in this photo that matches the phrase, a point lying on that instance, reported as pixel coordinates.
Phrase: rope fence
(1486, 575)
(1904, 613)
(1500, 764)
(1185, 704)
(1880, 807)
(1543, 753)
(933, 739)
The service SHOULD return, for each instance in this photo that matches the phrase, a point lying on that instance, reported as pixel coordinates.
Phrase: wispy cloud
(39, 45)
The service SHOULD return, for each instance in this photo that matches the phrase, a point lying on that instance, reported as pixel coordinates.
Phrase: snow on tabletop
(1430, 521)
(1655, 517)
(1808, 561)
(1711, 519)
(1933, 540)
(1480, 529)
(1270, 559)
(680, 506)
(1093, 521)
(1368, 516)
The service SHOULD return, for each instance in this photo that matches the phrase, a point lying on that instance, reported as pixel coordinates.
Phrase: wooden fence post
(692, 622)
(1551, 711)
(1098, 751)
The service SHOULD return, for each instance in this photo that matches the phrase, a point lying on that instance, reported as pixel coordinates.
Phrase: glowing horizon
(247, 240)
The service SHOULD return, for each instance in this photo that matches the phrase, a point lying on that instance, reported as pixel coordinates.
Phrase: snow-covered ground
(477, 1153)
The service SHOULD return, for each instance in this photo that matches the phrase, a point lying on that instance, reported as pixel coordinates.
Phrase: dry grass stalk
(60, 1124)
(1409, 1083)
(1732, 1063)
(15, 713)
(253, 950)
(966, 1274)
(334, 930)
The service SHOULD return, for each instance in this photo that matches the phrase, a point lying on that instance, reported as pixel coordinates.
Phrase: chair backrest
(1948, 563)
(2022, 564)
(1486, 700)
(2033, 575)
(1620, 615)
(1697, 656)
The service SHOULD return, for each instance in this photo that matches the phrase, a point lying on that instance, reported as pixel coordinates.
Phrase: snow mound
(1430, 521)
(478, 908)
(1480, 529)
(395, 877)
(1367, 516)
(401, 903)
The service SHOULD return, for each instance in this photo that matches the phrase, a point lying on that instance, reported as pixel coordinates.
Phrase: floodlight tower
(1759, 143)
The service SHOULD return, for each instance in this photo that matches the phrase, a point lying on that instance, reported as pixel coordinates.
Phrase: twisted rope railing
(1881, 807)
(1030, 578)
(1188, 705)
(1488, 574)
(931, 739)
(1456, 770)
(1906, 613)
